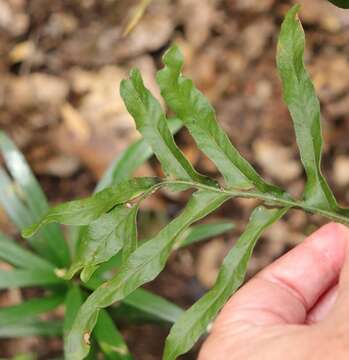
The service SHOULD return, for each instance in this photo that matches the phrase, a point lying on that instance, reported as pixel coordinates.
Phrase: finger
(287, 289)
(340, 308)
(323, 307)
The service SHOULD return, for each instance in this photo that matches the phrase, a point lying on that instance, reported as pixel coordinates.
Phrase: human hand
(297, 308)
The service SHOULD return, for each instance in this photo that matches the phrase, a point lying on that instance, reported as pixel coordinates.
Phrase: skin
(296, 308)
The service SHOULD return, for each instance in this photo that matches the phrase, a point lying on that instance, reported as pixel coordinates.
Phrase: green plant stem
(267, 198)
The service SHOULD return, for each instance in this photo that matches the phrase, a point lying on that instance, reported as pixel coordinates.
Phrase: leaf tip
(29, 231)
(135, 74)
(173, 57)
(293, 13)
(87, 272)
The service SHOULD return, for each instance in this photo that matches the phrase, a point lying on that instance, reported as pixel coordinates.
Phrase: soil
(61, 63)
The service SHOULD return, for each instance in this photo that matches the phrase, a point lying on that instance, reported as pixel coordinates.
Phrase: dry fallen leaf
(136, 15)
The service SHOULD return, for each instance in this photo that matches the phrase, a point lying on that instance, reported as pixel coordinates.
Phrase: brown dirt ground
(60, 66)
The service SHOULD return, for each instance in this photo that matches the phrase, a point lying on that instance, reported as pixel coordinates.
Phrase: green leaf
(142, 266)
(10, 201)
(21, 216)
(341, 3)
(16, 255)
(22, 174)
(28, 309)
(299, 94)
(197, 114)
(104, 238)
(109, 338)
(203, 232)
(12, 279)
(26, 203)
(123, 167)
(73, 301)
(193, 323)
(152, 124)
(130, 233)
(82, 212)
(154, 305)
(31, 328)
(144, 301)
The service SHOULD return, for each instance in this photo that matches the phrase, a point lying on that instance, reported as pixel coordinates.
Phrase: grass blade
(10, 201)
(197, 114)
(203, 232)
(31, 328)
(12, 279)
(23, 176)
(110, 339)
(124, 166)
(27, 191)
(72, 302)
(154, 305)
(152, 124)
(16, 255)
(193, 323)
(141, 267)
(29, 309)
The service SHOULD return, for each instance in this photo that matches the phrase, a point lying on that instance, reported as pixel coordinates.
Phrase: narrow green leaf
(103, 239)
(142, 266)
(73, 301)
(144, 301)
(154, 305)
(304, 106)
(31, 328)
(82, 212)
(22, 174)
(203, 232)
(110, 339)
(152, 124)
(16, 255)
(28, 199)
(123, 167)
(129, 233)
(24, 278)
(193, 323)
(9, 200)
(197, 114)
(21, 216)
(28, 309)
